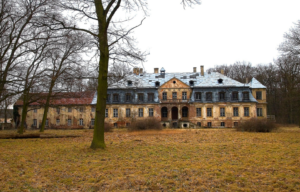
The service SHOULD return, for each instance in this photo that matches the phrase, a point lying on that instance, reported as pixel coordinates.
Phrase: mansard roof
(148, 80)
(255, 84)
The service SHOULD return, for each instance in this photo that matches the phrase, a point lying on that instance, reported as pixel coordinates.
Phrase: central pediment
(174, 83)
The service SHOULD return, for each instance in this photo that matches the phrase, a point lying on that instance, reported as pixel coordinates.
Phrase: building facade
(178, 100)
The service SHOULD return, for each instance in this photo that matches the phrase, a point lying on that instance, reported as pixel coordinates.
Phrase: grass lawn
(168, 160)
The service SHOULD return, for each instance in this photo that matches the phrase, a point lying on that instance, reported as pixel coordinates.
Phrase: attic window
(191, 83)
(220, 81)
(174, 82)
(157, 84)
(129, 83)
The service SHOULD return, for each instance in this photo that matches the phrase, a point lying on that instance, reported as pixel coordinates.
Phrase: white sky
(215, 32)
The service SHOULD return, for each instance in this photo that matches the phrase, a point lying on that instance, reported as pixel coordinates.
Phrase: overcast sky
(215, 32)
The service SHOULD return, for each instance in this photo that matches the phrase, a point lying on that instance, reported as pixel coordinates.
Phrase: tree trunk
(46, 107)
(23, 121)
(98, 137)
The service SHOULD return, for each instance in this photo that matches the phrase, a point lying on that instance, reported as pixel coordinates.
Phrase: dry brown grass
(168, 160)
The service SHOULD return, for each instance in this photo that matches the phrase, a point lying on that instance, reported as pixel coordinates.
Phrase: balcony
(175, 101)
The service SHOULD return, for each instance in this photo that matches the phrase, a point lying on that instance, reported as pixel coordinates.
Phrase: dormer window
(129, 83)
(191, 83)
(220, 81)
(157, 84)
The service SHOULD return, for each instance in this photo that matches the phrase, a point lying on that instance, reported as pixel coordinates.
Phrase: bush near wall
(146, 124)
(257, 125)
(107, 127)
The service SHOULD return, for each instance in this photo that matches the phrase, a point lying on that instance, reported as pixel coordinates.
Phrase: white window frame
(209, 112)
(141, 112)
(35, 122)
(81, 122)
(69, 109)
(128, 112)
(164, 96)
(93, 109)
(246, 111)
(106, 112)
(198, 112)
(150, 112)
(116, 113)
(184, 95)
(222, 112)
(235, 111)
(92, 121)
(69, 122)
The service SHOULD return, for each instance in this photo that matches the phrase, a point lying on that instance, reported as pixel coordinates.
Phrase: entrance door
(174, 113)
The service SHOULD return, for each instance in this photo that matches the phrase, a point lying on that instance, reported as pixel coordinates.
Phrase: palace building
(178, 100)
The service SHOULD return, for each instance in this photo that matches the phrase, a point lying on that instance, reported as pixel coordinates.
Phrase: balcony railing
(175, 101)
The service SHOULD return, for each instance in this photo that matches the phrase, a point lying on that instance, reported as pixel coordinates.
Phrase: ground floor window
(259, 112)
(106, 112)
(235, 124)
(92, 121)
(222, 124)
(208, 112)
(150, 112)
(116, 113)
(47, 122)
(115, 124)
(127, 124)
(164, 112)
(69, 122)
(185, 112)
(208, 124)
(199, 124)
(57, 121)
(246, 111)
(235, 111)
(127, 112)
(141, 112)
(198, 111)
(35, 122)
(81, 122)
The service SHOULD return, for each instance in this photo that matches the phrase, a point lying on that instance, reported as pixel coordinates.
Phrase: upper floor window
(164, 95)
(209, 96)
(150, 97)
(245, 95)
(129, 83)
(92, 121)
(184, 96)
(235, 95)
(198, 111)
(80, 109)
(69, 122)
(258, 95)
(220, 81)
(222, 112)
(222, 96)
(185, 111)
(93, 109)
(157, 84)
(58, 110)
(198, 96)
(235, 111)
(128, 97)
(208, 111)
(141, 96)
(69, 109)
(107, 97)
(115, 97)
(35, 110)
(106, 112)
(34, 122)
(174, 95)
(191, 83)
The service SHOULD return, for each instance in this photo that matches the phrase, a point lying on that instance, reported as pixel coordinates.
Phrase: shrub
(146, 124)
(257, 125)
(107, 127)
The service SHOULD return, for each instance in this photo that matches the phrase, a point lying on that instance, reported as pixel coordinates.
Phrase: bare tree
(291, 45)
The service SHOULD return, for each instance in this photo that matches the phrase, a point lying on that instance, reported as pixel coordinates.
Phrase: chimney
(202, 70)
(141, 70)
(194, 69)
(155, 70)
(222, 71)
(136, 70)
(247, 81)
